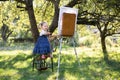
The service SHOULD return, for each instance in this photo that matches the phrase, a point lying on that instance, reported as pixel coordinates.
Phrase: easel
(66, 28)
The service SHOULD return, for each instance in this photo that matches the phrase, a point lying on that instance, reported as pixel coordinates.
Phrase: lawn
(16, 64)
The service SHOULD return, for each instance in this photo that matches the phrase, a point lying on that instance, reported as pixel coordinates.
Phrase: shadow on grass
(19, 67)
(17, 46)
(90, 68)
(115, 65)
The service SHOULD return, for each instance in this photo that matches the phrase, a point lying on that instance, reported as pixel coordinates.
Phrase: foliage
(43, 11)
(15, 19)
(83, 30)
(104, 15)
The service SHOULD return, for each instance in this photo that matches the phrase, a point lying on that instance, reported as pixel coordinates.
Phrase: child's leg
(49, 55)
(43, 56)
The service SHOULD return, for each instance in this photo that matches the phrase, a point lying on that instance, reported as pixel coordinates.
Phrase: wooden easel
(67, 30)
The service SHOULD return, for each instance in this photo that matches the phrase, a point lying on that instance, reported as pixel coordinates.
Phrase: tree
(5, 32)
(5, 27)
(107, 16)
(106, 28)
(29, 8)
(103, 14)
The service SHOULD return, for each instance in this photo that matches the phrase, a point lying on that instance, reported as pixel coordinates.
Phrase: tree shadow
(17, 46)
(22, 65)
(115, 65)
(90, 68)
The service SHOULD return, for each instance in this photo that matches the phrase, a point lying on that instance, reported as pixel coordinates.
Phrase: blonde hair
(41, 24)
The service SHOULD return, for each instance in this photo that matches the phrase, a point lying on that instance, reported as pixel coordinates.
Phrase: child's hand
(48, 33)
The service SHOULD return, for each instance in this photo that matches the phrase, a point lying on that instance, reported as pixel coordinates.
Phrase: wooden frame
(67, 21)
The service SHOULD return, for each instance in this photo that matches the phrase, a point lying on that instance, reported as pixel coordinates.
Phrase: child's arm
(44, 33)
(48, 33)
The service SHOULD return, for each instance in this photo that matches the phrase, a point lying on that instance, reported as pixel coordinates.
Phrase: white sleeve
(43, 33)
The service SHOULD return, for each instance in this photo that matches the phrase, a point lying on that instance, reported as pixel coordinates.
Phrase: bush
(86, 41)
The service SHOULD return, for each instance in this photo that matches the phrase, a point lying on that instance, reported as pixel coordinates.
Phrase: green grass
(16, 64)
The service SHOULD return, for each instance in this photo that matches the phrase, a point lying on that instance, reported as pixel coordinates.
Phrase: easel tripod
(60, 49)
(66, 28)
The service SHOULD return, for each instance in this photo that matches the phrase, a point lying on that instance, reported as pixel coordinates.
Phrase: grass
(16, 64)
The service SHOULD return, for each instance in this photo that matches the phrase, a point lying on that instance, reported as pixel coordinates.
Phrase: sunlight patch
(69, 76)
(20, 64)
(15, 52)
(52, 77)
(9, 75)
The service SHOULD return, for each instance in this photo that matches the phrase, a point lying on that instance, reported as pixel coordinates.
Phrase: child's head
(43, 26)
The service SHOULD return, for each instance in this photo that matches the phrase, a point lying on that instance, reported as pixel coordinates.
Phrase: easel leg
(60, 48)
(73, 40)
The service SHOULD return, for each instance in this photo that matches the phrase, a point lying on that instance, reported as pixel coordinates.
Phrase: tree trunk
(104, 49)
(29, 7)
(54, 23)
(5, 32)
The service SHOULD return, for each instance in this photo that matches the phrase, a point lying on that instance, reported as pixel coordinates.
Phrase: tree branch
(73, 3)
(53, 1)
(9, 34)
(112, 34)
(21, 1)
(86, 21)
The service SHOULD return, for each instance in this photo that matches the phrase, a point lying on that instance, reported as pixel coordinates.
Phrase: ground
(16, 64)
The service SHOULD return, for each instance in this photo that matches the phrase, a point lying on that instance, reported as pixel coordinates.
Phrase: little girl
(42, 45)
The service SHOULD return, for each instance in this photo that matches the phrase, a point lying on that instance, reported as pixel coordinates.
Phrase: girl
(42, 45)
